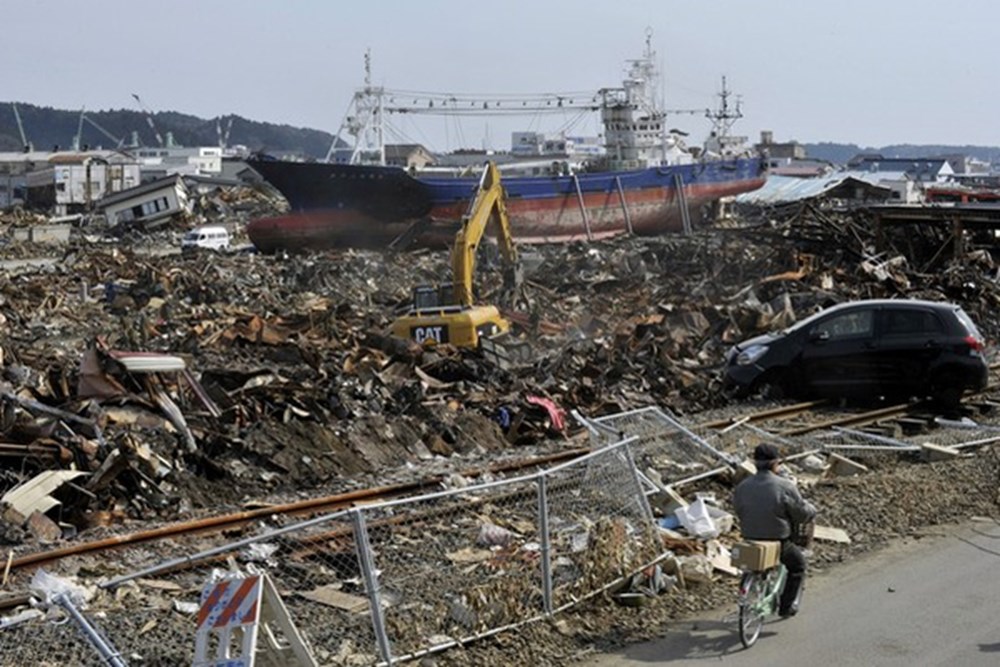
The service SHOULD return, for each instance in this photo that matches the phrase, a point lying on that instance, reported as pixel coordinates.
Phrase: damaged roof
(783, 189)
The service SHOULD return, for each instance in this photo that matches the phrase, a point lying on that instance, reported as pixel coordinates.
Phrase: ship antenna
(368, 67)
(649, 42)
(724, 118)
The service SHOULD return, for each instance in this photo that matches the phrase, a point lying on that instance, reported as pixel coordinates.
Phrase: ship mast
(725, 117)
(365, 122)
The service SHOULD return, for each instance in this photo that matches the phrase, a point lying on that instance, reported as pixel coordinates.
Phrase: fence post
(108, 652)
(367, 564)
(643, 501)
(546, 549)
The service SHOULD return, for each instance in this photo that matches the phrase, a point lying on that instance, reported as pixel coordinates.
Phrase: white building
(166, 160)
(147, 204)
(73, 182)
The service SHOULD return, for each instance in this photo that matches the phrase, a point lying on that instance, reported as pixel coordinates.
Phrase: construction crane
(79, 132)
(25, 144)
(149, 120)
(223, 136)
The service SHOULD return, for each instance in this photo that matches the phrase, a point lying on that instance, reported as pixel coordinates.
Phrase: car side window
(856, 324)
(910, 322)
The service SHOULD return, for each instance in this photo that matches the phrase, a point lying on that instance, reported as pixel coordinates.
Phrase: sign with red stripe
(229, 603)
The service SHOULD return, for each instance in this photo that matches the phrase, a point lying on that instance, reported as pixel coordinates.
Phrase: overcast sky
(859, 71)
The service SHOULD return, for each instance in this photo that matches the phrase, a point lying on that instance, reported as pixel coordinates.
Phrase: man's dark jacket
(767, 505)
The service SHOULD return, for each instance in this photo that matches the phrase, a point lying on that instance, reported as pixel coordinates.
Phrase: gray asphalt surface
(930, 601)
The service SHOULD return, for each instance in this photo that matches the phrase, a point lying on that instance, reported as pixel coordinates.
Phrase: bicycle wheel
(751, 604)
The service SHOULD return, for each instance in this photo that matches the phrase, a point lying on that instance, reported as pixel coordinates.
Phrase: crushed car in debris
(892, 349)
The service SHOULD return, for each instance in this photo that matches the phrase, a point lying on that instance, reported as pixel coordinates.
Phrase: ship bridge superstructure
(634, 122)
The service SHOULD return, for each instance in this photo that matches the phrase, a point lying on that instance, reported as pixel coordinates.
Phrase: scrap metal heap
(193, 383)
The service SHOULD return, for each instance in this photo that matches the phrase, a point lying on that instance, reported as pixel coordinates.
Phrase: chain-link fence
(384, 582)
(674, 451)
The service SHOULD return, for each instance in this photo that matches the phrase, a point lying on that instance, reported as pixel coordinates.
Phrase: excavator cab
(446, 313)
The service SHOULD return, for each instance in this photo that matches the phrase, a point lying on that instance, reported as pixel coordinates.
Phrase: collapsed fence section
(386, 582)
(674, 451)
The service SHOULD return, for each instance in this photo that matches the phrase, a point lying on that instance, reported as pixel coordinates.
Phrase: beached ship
(646, 182)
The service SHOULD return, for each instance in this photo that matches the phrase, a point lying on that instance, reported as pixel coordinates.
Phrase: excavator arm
(458, 321)
(488, 205)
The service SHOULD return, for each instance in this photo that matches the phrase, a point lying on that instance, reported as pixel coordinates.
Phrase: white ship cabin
(538, 144)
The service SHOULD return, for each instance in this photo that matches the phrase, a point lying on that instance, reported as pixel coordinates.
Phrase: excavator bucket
(506, 351)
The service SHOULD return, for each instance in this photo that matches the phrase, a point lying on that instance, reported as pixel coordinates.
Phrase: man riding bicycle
(769, 507)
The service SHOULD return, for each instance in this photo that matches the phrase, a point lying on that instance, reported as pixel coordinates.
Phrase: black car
(892, 349)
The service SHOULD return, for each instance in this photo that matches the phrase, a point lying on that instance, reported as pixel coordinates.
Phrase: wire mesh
(963, 434)
(674, 450)
(600, 527)
(457, 564)
(51, 639)
(380, 582)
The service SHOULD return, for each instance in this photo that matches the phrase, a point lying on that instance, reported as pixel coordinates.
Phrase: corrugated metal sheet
(785, 189)
(34, 494)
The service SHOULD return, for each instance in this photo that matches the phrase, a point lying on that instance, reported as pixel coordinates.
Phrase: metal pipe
(213, 522)
(226, 548)
(583, 208)
(93, 635)
(697, 438)
(892, 442)
(546, 545)
(367, 564)
(621, 198)
(682, 204)
(874, 448)
(301, 507)
(694, 478)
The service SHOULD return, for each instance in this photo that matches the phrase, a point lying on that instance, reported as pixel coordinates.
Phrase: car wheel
(772, 385)
(947, 391)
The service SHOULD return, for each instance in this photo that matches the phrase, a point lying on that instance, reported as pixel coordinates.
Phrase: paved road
(932, 601)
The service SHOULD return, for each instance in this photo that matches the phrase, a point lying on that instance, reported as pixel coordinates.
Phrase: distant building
(779, 152)
(408, 156)
(963, 165)
(67, 183)
(921, 170)
(805, 168)
(185, 161)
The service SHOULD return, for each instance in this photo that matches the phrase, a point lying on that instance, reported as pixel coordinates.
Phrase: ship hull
(356, 206)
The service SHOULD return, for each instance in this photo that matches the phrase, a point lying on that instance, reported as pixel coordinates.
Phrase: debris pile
(140, 386)
(280, 376)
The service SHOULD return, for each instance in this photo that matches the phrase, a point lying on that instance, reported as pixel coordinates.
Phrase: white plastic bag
(49, 587)
(696, 520)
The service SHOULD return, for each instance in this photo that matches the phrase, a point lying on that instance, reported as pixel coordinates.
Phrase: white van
(212, 238)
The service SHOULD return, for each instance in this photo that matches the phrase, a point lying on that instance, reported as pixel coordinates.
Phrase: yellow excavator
(446, 313)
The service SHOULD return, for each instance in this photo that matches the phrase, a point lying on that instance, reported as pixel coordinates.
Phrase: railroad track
(785, 420)
(315, 506)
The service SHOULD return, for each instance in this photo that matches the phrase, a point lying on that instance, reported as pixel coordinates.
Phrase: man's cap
(765, 453)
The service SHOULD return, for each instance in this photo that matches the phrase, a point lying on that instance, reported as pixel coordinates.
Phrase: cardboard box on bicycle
(755, 555)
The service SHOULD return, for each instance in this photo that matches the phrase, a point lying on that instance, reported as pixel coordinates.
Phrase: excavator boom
(488, 205)
(434, 318)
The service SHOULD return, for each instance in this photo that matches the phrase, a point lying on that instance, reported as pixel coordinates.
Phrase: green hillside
(46, 128)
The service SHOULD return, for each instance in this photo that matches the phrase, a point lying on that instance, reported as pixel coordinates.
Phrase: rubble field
(192, 385)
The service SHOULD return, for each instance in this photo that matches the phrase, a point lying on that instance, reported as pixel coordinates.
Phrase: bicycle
(759, 594)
